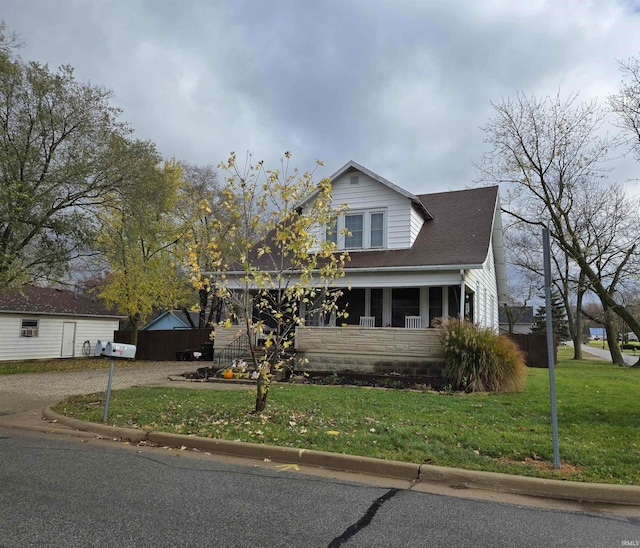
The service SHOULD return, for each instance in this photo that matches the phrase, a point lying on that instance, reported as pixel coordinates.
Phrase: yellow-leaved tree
(274, 267)
(138, 233)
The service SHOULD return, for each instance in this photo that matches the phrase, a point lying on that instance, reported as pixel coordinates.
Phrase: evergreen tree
(558, 319)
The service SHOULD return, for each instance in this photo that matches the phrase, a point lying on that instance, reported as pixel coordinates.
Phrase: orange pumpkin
(228, 374)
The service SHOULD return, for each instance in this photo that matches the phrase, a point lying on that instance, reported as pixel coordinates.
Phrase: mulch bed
(345, 378)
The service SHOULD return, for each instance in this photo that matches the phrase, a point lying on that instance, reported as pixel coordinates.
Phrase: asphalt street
(70, 492)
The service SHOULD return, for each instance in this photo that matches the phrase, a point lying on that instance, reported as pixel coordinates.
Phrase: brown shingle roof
(47, 300)
(459, 233)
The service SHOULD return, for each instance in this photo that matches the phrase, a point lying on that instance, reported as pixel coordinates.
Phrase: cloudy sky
(401, 86)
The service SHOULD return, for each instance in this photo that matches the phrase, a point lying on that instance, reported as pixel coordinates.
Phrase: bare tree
(525, 254)
(626, 103)
(550, 154)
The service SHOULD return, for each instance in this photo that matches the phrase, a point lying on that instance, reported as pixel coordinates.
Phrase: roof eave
(406, 268)
(74, 314)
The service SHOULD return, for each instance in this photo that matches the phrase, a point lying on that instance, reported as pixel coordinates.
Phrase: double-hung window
(354, 225)
(376, 224)
(331, 233)
(362, 230)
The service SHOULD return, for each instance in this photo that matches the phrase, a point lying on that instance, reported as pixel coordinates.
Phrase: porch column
(462, 293)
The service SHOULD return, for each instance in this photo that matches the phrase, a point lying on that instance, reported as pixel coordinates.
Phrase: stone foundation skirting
(369, 350)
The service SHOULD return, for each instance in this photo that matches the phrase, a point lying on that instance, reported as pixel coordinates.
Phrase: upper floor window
(354, 225)
(359, 230)
(29, 328)
(377, 229)
(331, 232)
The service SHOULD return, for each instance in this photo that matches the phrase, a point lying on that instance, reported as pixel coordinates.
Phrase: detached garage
(44, 322)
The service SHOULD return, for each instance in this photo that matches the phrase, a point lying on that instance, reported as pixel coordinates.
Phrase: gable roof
(178, 315)
(52, 301)
(524, 315)
(354, 166)
(458, 234)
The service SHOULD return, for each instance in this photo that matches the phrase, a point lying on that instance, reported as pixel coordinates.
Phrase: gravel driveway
(26, 391)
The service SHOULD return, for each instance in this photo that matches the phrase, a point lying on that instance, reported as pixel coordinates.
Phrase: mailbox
(100, 348)
(120, 350)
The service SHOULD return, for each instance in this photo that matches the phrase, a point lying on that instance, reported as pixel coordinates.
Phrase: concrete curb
(537, 487)
(103, 430)
(289, 455)
(492, 481)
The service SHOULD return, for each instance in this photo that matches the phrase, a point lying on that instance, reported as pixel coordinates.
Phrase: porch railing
(237, 349)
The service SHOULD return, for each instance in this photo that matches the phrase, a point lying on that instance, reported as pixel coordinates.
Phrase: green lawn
(598, 409)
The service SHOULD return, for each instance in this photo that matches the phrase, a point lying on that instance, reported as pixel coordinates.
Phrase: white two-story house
(415, 258)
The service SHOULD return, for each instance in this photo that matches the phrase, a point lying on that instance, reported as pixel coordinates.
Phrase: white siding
(483, 282)
(399, 278)
(48, 343)
(370, 194)
(417, 220)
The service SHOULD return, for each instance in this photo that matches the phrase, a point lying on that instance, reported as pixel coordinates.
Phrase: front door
(68, 339)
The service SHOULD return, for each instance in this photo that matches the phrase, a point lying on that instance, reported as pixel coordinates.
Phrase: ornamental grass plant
(478, 359)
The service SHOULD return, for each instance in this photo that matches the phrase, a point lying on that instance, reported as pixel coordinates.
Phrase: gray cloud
(402, 87)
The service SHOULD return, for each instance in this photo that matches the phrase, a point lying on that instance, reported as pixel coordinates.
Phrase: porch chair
(367, 321)
(413, 322)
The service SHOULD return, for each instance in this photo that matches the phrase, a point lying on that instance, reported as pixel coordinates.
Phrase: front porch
(405, 307)
(386, 329)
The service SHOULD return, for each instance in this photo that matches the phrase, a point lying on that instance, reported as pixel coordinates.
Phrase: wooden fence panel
(534, 348)
(164, 345)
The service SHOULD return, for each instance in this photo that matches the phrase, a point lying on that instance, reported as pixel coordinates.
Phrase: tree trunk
(612, 339)
(188, 317)
(577, 334)
(608, 301)
(577, 346)
(203, 298)
(262, 391)
(509, 313)
(133, 324)
(614, 347)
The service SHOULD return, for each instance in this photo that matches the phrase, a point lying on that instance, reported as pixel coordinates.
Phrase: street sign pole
(550, 345)
(106, 400)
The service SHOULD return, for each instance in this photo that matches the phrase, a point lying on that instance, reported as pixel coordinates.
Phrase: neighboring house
(43, 322)
(172, 319)
(522, 316)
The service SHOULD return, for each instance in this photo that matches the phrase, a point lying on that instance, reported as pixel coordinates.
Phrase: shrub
(480, 360)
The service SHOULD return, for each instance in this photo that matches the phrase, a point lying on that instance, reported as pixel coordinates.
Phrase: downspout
(462, 293)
